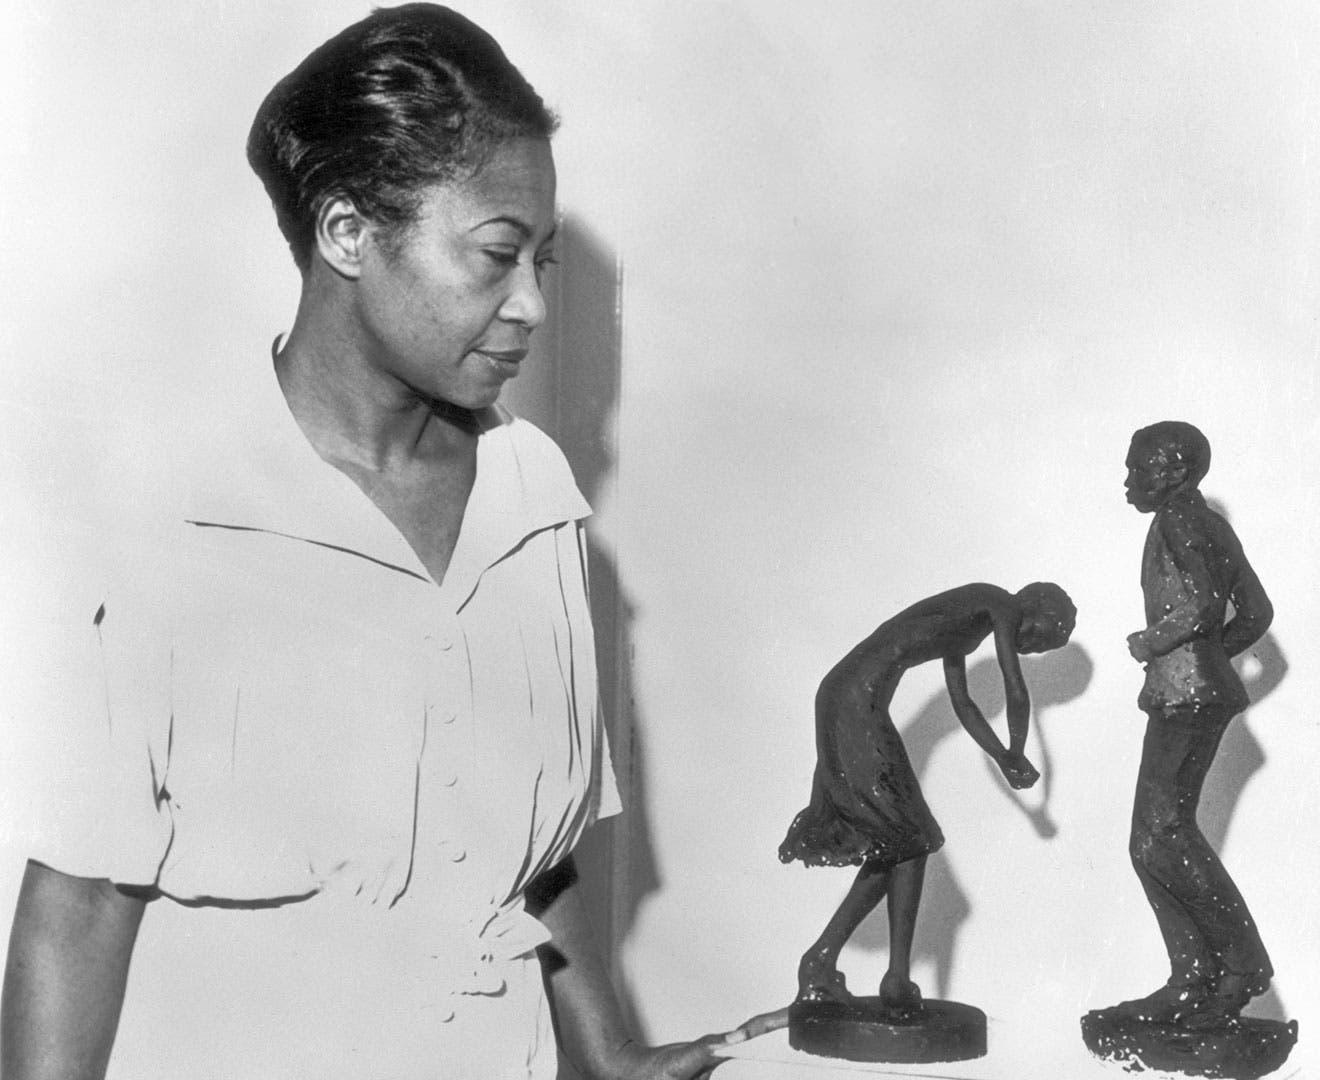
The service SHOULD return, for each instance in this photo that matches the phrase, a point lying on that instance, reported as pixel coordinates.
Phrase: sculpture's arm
(69, 952)
(1017, 702)
(967, 711)
(1017, 770)
(1195, 614)
(1252, 611)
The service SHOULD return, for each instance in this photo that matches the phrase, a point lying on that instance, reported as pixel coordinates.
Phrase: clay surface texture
(1241, 1048)
(867, 810)
(865, 1029)
(1204, 605)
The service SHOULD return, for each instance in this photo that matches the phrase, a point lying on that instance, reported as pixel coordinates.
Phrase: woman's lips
(505, 363)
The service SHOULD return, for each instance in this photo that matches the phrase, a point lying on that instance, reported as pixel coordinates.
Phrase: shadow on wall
(1240, 757)
(571, 389)
(1262, 668)
(1054, 679)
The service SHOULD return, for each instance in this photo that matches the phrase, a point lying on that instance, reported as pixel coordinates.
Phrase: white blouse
(286, 714)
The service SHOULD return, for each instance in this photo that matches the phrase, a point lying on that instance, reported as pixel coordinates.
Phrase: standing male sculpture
(1192, 568)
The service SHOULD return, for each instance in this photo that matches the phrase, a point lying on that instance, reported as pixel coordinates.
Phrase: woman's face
(446, 307)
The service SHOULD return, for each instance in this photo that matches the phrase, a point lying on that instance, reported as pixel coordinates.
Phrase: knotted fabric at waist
(486, 942)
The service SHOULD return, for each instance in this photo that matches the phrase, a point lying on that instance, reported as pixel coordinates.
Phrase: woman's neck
(354, 416)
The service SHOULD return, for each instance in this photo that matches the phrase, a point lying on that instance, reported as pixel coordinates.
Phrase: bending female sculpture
(866, 808)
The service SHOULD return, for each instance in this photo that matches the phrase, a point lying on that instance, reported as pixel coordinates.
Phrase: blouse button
(449, 779)
(457, 855)
(446, 632)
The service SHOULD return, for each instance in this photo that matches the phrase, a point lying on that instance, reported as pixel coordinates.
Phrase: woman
(866, 808)
(344, 690)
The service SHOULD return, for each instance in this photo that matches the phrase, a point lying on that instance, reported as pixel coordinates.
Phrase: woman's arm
(69, 951)
(588, 1018)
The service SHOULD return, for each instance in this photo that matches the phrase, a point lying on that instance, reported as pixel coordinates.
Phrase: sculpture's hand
(1018, 771)
(1139, 648)
(690, 1061)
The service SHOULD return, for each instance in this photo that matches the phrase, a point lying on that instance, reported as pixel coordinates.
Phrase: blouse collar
(261, 473)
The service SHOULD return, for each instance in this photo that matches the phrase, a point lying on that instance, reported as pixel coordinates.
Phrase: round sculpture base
(1241, 1048)
(865, 1030)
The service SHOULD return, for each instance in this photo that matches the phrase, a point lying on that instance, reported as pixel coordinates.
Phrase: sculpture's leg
(1207, 930)
(1242, 967)
(1159, 829)
(897, 989)
(819, 978)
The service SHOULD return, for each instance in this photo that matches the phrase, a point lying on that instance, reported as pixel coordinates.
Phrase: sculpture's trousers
(1207, 928)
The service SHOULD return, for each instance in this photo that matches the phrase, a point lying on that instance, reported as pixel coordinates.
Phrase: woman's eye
(499, 255)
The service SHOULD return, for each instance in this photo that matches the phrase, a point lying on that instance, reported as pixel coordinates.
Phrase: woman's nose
(525, 304)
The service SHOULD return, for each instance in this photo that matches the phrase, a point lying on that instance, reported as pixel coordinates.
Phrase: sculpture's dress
(865, 801)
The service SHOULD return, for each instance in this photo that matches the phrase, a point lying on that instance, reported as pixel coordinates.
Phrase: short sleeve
(89, 701)
(605, 785)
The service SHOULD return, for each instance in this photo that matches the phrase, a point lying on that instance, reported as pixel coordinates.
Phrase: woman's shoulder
(541, 468)
(501, 422)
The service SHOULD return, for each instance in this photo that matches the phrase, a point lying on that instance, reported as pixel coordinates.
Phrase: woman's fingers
(765, 1023)
(760, 1024)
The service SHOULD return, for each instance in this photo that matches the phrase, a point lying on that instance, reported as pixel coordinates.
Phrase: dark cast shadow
(1054, 679)
(1261, 668)
(571, 390)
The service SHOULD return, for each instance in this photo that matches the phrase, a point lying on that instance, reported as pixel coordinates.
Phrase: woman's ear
(341, 235)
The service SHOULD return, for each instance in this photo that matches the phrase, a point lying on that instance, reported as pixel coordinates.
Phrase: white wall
(900, 281)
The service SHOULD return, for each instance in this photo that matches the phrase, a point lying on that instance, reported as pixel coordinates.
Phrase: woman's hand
(688, 1061)
(589, 1020)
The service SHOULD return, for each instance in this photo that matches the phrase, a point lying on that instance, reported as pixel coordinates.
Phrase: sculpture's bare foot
(820, 980)
(900, 994)
(1169, 1004)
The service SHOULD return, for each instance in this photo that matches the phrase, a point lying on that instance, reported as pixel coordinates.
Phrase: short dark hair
(1179, 441)
(407, 97)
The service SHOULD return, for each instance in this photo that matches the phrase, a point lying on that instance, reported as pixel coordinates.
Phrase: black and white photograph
(646, 540)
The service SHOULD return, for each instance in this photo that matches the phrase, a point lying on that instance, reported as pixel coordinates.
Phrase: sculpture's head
(1048, 617)
(1164, 458)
